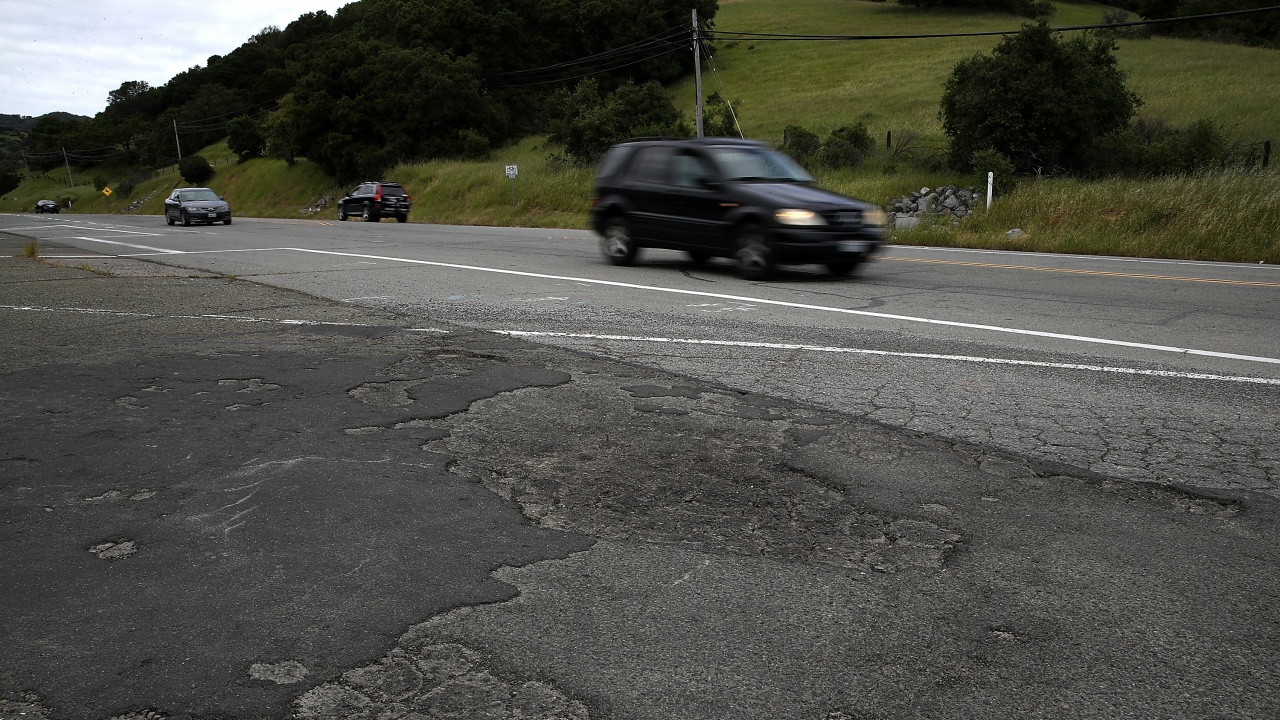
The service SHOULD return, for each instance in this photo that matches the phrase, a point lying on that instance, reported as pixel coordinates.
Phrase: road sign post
(512, 172)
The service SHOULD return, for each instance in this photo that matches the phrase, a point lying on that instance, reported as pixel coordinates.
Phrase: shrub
(1040, 101)
(99, 182)
(1153, 148)
(195, 169)
(717, 118)
(800, 144)
(992, 161)
(9, 181)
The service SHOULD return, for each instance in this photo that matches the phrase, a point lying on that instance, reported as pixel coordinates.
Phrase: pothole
(117, 550)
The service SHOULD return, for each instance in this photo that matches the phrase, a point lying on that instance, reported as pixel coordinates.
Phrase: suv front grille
(843, 218)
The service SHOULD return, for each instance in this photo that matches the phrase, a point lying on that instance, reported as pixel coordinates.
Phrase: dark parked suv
(729, 198)
(374, 200)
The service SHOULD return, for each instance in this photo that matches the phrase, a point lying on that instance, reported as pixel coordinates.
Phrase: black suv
(374, 200)
(730, 198)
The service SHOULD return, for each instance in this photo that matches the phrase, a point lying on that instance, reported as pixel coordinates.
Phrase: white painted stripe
(822, 308)
(123, 244)
(888, 353)
(108, 229)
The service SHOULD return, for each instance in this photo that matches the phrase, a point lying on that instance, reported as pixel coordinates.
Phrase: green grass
(892, 86)
(1229, 217)
(896, 85)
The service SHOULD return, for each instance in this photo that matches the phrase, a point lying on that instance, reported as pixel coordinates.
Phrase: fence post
(991, 181)
(1266, 154)
(888, 140)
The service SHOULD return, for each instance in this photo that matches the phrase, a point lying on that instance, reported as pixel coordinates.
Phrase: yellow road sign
(106, 191)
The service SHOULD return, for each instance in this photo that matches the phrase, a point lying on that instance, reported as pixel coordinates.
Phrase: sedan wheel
(168, 218)
(755, 258)
(618, 247)
(186, 220)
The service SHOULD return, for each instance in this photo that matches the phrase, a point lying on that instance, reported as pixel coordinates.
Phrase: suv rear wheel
(618, 247)
(368, 215)
(754, 256)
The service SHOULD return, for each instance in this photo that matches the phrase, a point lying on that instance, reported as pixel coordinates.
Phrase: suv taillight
(377, 196)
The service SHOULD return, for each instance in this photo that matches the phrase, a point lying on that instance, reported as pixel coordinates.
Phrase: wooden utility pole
(697, 73)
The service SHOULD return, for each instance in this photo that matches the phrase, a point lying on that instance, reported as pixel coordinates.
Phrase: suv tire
(368, 215)
(754, 256)
(840, 269)
(617, 245)
(402, 218)
(342, 214)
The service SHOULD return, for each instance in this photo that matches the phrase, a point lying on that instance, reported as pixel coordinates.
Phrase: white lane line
(888, 353)
(126, 232)
(822, 308)
(124, 244)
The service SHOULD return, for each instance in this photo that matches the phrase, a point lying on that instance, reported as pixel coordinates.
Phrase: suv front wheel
(618, 247)
(754, 256)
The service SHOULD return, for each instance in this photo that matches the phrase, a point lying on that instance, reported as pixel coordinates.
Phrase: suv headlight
(791, 216)
(875, 216)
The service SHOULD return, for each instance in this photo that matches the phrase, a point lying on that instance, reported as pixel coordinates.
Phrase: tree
(245, 138)
(195, 169)
(1042, 102)
(127, 91)
(589, 123)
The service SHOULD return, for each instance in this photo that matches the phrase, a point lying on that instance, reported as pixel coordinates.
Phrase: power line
(739, 35)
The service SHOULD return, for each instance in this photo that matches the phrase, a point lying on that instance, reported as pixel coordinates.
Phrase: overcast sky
(66, 55)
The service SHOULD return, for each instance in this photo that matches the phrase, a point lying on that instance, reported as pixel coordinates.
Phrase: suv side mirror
(708, 182)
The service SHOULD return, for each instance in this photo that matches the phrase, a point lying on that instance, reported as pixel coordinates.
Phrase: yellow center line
(1085, 272)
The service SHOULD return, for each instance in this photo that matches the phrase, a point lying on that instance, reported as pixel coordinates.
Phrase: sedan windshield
(759, 164)
(196, 195)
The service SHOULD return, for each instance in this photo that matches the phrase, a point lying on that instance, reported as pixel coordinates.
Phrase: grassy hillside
(892, 86)
(895, 85)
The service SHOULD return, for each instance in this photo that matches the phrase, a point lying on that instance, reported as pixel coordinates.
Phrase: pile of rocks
(317, 206)
(139, 203)
(948, 200)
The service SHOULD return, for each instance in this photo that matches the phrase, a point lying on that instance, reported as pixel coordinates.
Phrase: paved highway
(1147, 370)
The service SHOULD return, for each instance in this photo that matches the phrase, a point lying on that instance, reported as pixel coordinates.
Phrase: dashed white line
(890, 353)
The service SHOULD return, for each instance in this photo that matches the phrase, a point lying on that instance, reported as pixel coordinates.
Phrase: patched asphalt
(225, 500)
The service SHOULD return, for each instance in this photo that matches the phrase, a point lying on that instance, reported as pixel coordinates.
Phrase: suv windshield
(195, 195)
(744, 163)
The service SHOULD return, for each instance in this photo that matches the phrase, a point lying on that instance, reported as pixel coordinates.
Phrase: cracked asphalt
(226, 500)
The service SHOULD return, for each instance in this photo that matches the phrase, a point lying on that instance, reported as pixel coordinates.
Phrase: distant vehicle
(372, 201)
(196, 205)
(47, 206)
(729, 198)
